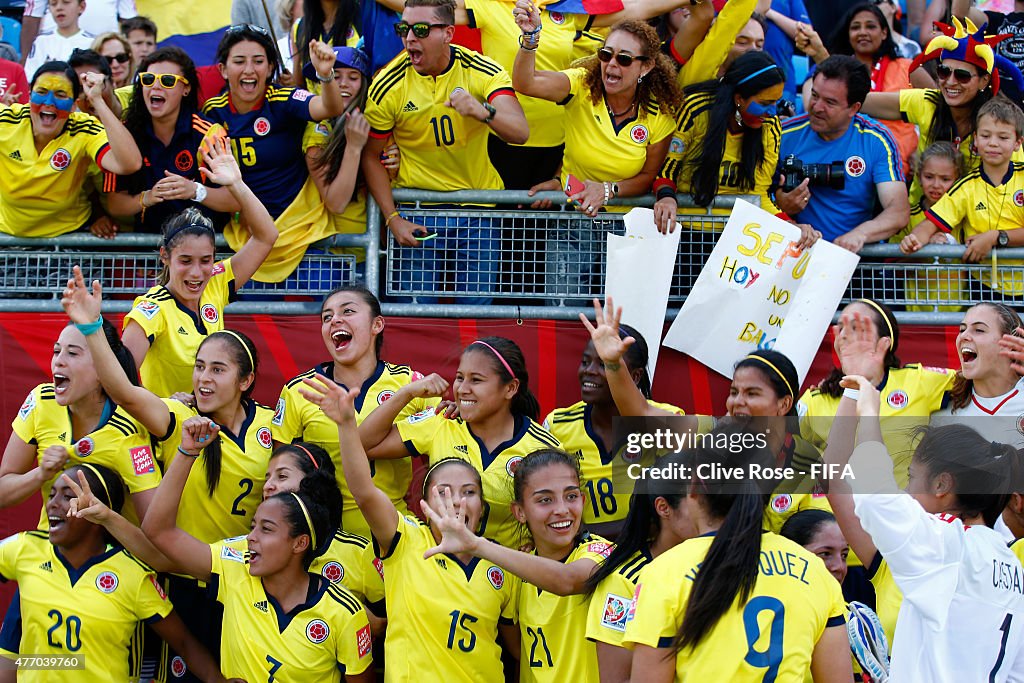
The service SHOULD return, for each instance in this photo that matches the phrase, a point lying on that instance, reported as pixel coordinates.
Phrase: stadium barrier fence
(932, 287)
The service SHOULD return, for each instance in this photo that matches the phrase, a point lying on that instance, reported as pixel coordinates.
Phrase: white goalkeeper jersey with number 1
(962, 617)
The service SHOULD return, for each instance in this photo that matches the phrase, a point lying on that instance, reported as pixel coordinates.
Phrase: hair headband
(305, 513)
(174, 232)
(756, 74)
(235, 335)
(500, 357)
(99, 476)
(430, 470)
(306, 451)
(878, 308)
(777, 372)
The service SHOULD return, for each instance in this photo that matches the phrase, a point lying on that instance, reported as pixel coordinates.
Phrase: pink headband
(500, 357)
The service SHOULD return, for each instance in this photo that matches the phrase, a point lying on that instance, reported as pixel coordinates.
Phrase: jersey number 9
(770, 658)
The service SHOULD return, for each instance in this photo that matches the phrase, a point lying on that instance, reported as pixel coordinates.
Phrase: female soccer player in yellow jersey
(287, 624)
(585, 428)
(910, 394)
(352, 330)
(736, 603)
(553, 601)
(496, 427)
(72, 418)
(446, 612)
(655, 523)
(175, 316)
(222, 495)
(82, 597)
(763, 391)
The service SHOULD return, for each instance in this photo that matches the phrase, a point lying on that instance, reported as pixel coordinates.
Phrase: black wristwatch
(1003, 239)
(491, 111)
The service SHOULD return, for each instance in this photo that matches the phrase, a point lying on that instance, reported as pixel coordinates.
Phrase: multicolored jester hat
(968, 43)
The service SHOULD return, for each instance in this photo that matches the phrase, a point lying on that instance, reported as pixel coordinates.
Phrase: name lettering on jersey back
(1007, 577)
(782, 563)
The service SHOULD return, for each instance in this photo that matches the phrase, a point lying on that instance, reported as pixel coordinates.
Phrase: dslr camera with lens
(821, 175)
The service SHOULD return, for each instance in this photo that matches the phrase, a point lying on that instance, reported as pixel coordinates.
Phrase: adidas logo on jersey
(63, 436)
(980, 207)
(182, 330)
(462, 449)
(440, 561)
(261, 605)
(409, 106)
(16, 155)
(46, 567)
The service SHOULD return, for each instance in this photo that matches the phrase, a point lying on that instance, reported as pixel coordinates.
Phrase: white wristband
(852, 394)
(200, 193)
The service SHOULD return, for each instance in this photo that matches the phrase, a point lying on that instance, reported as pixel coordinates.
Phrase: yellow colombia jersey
(499, 36)
(296, 419)
(352, 39)
(687, 147)
(314, 642)
(175, 332)
(243, 469)
(1018, 549)
(917, 105)
(91, 611)
(437, 438)
(800, 493)
(120, 443)
(909, 396)
(441, 149)
(770, 637)
(598, 149)
(41, 192)
(552, 627)
(709, 56)
(573, 427)
(888, 596)
(352, 221)
(609, 606)
(589, 42)
(349, 561)
(443, 615)
(977, 204)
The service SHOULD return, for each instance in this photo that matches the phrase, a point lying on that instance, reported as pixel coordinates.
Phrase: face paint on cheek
(50, 84)
(758, 110)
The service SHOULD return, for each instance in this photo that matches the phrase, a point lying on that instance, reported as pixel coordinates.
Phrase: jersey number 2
(246, 486)
(770, 658)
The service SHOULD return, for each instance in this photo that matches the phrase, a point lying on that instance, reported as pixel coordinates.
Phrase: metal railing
(536, 264)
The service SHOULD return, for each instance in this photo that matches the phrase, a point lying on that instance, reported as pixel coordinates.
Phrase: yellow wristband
(391, 217)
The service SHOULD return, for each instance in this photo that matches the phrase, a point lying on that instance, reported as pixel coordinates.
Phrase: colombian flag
(585, 6)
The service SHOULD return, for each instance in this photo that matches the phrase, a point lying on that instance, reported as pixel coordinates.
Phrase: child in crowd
(59, 43)
(988, 202)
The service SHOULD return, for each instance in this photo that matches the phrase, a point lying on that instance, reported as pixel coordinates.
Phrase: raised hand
(605, 334)
(322, 57)
(198, 432)
(456, 537)
(869, 402)
(527, 16)
(430, 386)
(861, 351)
(53, 461)
(219, 164)
(80, 303)
(337, 402)
(85, 505)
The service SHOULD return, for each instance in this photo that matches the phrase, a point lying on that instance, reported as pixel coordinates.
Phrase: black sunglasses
(254, 28)
(420, 29)
(120, 58)
(962, 76)
(605, 54)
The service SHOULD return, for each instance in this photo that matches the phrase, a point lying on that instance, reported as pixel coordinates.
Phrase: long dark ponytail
(639, 531)
(247, 360)
(731, 565)
(748, 75)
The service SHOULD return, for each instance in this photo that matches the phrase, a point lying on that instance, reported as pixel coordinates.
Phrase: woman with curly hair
(163, 118)
(620, 109)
